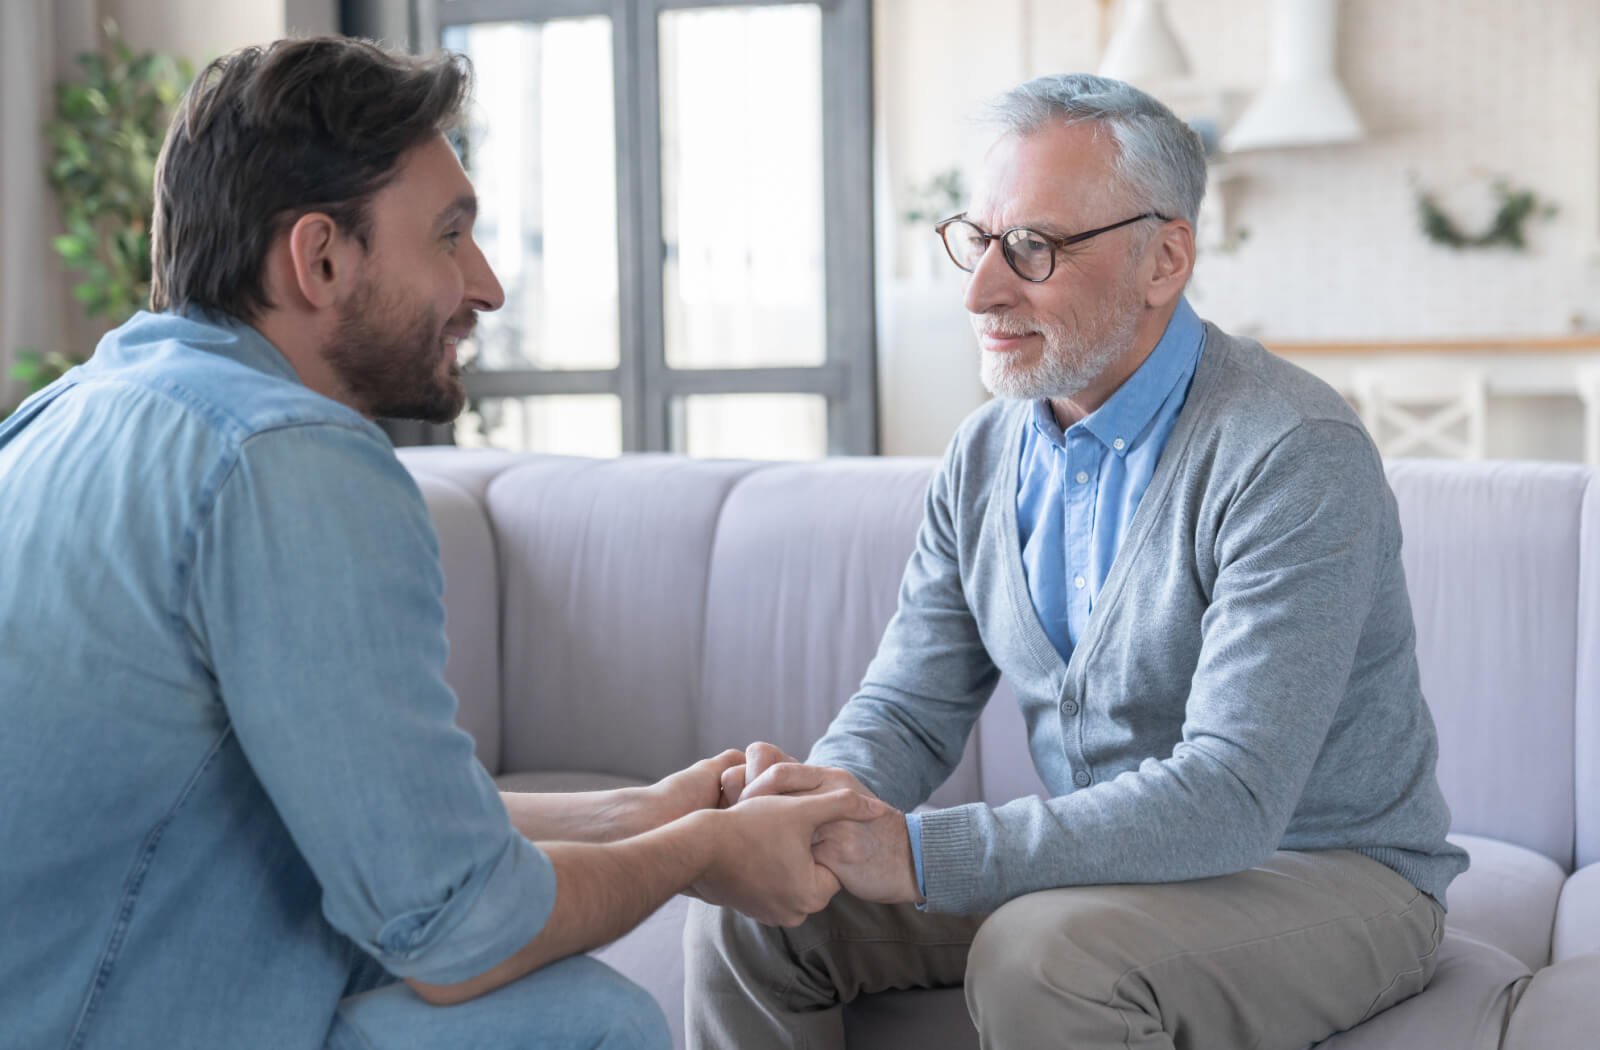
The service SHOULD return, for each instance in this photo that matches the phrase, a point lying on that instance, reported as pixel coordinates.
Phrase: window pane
(741, 186)
(570, 424)
(755, 426)
(541, 150)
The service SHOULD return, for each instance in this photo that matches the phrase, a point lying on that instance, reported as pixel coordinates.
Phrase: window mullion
(847, 216)
(632, 227)
(652, 359)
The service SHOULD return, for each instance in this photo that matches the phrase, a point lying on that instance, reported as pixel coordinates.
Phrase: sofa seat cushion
(1577, 929)
(1559, 1008)
(1465, 1007)
(564, 781)
(1507, 898)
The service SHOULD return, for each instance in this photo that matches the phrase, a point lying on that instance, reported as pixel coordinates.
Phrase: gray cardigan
(1247, 680)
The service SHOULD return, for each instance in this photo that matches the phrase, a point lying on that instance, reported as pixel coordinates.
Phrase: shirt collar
(1122, 421)
(249, 346)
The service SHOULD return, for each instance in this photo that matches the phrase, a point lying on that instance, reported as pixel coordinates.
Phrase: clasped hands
(816, 826)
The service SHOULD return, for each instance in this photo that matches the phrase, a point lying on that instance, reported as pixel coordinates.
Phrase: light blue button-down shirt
(1077, 489)
(228, 759)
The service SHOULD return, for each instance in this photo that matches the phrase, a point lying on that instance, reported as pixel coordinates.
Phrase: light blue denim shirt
(229, 762)
(1077, 489)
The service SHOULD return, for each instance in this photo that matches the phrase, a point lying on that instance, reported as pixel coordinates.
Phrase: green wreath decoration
(1516, 207)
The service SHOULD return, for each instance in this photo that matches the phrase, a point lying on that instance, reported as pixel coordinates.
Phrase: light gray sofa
(613, 620)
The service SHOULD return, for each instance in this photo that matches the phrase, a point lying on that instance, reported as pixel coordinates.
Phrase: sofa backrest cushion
(1491, 560)
(603, 609)
(804, 576)
(471, 606)
(652, 610)
(1587, 737)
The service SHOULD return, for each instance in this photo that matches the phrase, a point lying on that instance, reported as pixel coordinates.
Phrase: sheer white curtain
(38, 39)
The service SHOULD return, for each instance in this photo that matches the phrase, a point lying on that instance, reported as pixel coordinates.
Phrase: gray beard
(1068, 363)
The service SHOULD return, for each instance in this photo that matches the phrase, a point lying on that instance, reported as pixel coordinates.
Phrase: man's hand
(762, 862)
(758, 758)
(872, 859)
(683, 792)
(620, 813)
(756, 858)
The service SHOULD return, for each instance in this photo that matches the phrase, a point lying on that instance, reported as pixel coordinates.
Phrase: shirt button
(1081, 778)
(1078, 582)
(1082, 477)
(1119, 444)
(1069, 707)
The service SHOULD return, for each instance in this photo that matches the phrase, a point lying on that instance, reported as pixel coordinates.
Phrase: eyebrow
(463, 207)
(1049, 229)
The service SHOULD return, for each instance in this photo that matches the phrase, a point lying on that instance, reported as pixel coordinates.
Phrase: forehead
(1061, 175)
(428, 179)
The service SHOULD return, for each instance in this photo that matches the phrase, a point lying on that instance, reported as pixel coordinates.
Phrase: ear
(325, 262)
(1171, 253)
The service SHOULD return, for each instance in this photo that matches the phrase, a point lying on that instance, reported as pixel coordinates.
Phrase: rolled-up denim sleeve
(315, 599)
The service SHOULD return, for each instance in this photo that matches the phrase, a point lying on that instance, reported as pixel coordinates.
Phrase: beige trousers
(1274, 958)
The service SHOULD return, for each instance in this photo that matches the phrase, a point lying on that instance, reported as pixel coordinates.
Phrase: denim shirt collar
(1126, 415)
(211, 331)
(250, 347)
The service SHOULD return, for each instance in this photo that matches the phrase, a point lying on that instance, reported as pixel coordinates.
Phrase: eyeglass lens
(1029, 254)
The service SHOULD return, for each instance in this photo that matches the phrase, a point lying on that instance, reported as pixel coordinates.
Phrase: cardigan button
(1069, 707)
(1081, 778)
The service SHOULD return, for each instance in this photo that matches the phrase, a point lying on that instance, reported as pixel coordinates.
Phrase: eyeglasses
(1029, 253)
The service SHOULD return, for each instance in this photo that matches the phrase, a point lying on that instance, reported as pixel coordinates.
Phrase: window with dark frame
(677, 198)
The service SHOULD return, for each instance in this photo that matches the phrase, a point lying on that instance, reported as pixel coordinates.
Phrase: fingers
(787, 778)
(760, 755)
(843, 804)
(732, 784)
(720, 764)
(728, 768)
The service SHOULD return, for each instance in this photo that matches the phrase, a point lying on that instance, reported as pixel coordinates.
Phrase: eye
(1028, 241)
(453, 238)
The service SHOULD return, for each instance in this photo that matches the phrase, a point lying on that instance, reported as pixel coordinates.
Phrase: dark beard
(393, 372)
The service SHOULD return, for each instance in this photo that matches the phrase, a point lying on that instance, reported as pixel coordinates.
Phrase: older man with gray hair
(1183, 554)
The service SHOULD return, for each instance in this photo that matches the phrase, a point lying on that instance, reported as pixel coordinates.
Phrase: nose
(483, 291)
(992, 283)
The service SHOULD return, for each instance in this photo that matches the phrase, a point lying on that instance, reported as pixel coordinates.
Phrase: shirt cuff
(914, 832)
(501, 908)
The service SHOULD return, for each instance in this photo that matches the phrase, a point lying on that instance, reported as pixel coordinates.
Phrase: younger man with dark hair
(237, 810)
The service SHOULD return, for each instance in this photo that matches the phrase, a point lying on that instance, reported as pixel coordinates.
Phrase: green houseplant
(104, 140)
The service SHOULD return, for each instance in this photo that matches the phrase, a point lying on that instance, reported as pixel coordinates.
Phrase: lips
(1004, 339)
(458, 328)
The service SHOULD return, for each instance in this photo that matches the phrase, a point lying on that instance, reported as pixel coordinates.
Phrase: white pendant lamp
(1303, 103)
(1143, 49)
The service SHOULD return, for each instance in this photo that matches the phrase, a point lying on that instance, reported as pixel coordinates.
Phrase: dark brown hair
(266, 135)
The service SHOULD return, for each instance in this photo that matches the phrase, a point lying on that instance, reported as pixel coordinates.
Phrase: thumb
(732, 785)
(844, 804)
(766, 753)
(759, 755)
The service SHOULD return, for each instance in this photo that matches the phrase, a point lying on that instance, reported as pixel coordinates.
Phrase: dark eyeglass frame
(1056, 243)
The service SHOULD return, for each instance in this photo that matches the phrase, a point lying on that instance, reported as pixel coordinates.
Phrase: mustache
(1005, 326)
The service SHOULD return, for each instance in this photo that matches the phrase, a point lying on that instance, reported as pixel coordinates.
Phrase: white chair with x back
(1589, 393)
(1419, 409)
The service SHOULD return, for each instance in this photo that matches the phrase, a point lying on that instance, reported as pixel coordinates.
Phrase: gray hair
(1159, 157)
